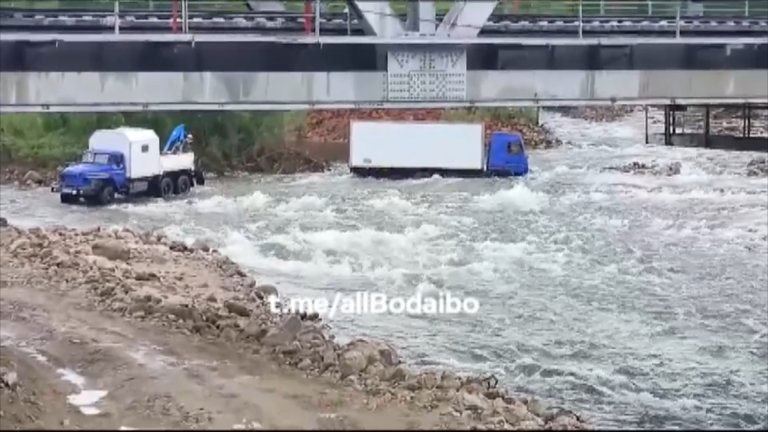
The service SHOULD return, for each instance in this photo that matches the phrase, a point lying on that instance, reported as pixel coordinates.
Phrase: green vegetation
(223, 141)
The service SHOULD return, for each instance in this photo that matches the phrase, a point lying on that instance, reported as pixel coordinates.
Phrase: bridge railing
(608, 8)
(636, 8)
(578, 13)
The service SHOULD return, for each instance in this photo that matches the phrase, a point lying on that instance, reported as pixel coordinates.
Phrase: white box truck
(128, 161)
(394, 149)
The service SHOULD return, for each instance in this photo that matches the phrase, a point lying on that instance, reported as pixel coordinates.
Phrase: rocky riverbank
(150, 280)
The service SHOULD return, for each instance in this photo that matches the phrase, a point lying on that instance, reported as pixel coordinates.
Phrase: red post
(308, 17)
(174, 15)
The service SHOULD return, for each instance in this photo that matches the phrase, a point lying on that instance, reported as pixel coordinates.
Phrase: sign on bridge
(427, 74)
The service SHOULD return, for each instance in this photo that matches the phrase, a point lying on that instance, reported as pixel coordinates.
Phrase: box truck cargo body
(417, 145)
(417, 149)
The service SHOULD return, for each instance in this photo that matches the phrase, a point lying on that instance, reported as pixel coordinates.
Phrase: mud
(154, 333)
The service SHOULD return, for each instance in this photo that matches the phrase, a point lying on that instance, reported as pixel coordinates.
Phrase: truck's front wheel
(183, 184)
(166, 187)
(107, 195)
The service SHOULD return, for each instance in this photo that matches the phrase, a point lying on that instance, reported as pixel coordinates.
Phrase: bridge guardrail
(582, 12)
(607, 8)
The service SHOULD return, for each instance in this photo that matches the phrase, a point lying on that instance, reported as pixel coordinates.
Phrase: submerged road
(639, 300)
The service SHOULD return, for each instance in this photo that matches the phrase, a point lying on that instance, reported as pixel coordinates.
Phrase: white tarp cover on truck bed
(383, 144)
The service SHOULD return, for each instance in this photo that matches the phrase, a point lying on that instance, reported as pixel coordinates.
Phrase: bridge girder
(465, 19)
(378, 18)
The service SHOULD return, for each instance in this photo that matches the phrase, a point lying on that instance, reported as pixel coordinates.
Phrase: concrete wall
(87, 91)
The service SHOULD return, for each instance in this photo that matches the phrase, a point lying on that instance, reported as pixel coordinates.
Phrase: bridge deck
(205, 72)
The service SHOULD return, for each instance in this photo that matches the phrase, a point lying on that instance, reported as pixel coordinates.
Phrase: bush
(223, 141)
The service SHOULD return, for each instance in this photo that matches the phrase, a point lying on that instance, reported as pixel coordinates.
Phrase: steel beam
(379, 19)
(466, 18)
(427, 17)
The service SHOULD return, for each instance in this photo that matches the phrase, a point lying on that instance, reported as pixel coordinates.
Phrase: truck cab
(506, 155)
(85, 178)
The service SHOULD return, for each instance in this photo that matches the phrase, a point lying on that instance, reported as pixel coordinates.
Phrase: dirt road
(99, 331)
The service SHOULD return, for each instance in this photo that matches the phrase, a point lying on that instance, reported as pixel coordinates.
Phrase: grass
(222, 140)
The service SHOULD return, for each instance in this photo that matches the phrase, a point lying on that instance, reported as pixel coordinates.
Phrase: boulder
(33, 178)
(375, 352)
(265, 291)
(111, 249)
(352, 363)
(284, 333)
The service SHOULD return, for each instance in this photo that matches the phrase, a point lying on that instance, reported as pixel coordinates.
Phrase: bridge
(334, 17)
(432, 63)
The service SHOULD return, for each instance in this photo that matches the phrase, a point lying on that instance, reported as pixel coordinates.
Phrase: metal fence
(673, 14)
(607, 8)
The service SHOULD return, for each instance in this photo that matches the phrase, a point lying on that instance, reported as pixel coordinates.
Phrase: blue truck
(390, 149)
(128, 161)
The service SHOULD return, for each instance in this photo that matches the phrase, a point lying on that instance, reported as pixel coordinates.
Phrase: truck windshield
(96, 158)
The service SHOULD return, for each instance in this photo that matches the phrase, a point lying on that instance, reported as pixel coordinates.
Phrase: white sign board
(433, 73)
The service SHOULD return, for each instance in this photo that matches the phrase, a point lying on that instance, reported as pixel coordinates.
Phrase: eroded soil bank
(124, 329)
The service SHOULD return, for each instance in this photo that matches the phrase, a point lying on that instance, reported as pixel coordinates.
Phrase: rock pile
(758, 167)
(27, 178)
(196, 290)
(332, 126)
(652, 168)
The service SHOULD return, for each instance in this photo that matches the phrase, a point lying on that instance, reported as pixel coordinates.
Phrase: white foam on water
(519, 198)
(219, 204)
(303, 203)
(394, 204)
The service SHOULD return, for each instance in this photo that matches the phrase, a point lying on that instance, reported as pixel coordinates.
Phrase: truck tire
(67, 198)
(107, 195)
(166, 187)
(183, 184)
(199, 178)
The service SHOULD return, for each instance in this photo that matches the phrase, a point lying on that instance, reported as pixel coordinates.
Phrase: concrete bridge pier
(724, 127)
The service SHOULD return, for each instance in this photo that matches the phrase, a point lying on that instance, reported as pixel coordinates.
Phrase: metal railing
(637, 8)
(579, 14)
(607, 8)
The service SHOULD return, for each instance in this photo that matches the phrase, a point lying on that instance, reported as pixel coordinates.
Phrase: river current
(637, 300)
